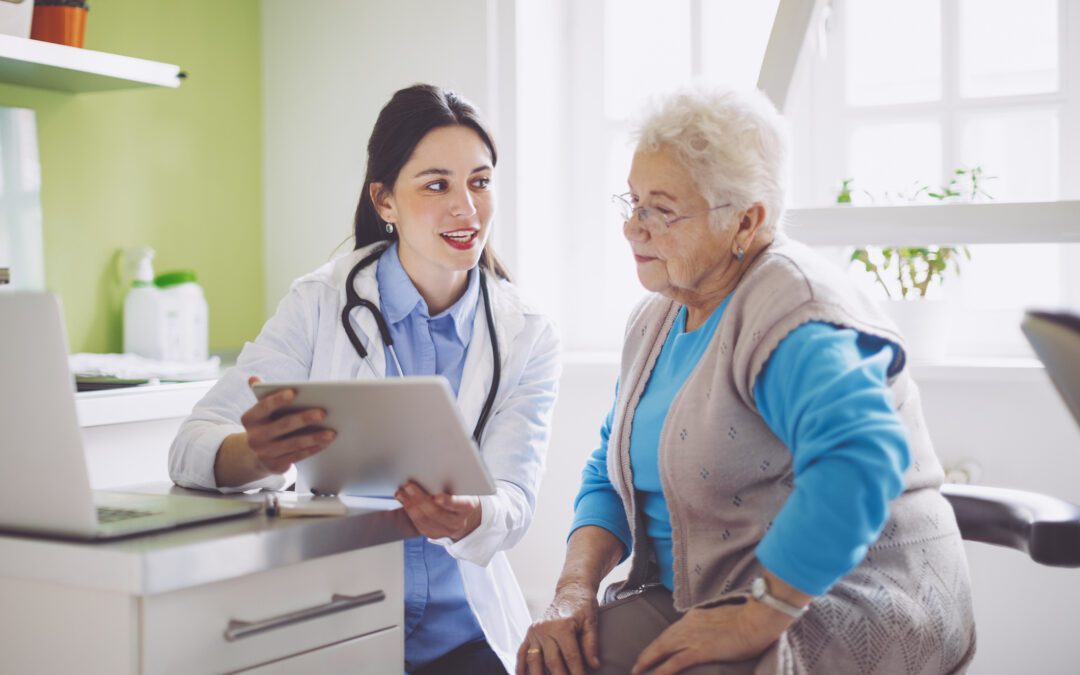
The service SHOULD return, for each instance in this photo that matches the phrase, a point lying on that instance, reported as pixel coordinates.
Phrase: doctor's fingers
(456, 503)
(289, 424)
(280, 448)
(265, 407)
(281, 463)
(431, 520)
(461, 505)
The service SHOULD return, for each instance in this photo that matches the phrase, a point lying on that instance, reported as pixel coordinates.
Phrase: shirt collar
(399, 298)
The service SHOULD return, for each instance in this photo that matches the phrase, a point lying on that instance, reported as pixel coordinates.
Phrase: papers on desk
(131, 367)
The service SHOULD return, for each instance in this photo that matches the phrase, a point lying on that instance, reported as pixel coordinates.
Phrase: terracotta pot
(62, 25)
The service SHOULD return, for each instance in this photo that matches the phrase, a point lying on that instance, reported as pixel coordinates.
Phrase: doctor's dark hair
(403, 122)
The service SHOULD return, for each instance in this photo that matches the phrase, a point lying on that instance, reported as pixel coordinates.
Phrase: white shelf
(921, 224)
(45, 65)
(980, 370)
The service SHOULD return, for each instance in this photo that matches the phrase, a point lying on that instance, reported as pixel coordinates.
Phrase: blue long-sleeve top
(823, 392)
(437, 616)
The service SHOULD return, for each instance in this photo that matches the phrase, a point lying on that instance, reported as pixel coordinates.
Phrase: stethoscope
(353, 300)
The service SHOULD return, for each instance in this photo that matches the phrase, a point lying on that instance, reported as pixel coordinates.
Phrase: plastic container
(186, 317)
(144, 309)
(15, 16)
(60, 23)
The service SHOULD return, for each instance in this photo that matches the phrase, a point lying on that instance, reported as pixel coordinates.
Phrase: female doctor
(421, 294)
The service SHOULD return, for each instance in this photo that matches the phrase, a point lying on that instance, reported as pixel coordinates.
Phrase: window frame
(821, 153)
(582, 246)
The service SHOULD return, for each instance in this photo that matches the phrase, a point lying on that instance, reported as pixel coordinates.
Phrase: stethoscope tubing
(353, 300)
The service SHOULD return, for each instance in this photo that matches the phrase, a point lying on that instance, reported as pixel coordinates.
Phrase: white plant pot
(926, 326)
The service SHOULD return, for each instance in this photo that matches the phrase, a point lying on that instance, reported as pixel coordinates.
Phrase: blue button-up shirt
(437, 616)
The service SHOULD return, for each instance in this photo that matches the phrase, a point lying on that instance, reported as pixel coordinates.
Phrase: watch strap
(765, 597)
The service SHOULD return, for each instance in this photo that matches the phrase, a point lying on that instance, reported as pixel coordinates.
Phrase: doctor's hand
(441, 515)
(273, 441)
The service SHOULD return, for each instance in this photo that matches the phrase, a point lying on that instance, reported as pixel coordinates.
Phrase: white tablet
(388, 432)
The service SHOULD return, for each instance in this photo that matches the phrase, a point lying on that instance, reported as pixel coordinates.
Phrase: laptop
(45, 484)
(1055, 336)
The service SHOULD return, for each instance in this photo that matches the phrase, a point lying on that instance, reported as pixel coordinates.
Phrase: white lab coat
(305, 340)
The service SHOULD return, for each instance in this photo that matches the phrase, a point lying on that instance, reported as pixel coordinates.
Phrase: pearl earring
(740, 254)
(389, 228)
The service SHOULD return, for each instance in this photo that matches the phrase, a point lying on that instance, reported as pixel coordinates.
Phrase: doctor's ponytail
(403, 122)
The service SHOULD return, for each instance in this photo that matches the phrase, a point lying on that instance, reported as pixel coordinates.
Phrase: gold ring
(533, 650)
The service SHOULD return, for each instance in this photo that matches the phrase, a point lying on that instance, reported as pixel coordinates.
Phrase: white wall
(1021, 434)
(329, 66)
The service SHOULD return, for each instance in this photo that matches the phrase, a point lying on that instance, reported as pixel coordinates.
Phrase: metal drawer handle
(338, 603)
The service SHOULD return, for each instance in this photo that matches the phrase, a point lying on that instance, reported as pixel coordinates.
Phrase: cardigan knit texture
(906, 608)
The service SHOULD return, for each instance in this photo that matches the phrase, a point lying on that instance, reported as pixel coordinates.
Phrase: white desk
(256, 594)
(252, 595)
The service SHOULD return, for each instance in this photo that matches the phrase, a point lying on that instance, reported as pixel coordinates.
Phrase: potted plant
(906, 274)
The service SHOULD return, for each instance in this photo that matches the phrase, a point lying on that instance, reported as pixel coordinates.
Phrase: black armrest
(1044, 527)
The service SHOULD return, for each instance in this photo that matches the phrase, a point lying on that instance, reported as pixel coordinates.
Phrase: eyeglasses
(650, 218)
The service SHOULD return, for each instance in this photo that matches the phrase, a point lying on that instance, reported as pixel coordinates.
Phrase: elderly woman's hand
(565, 637)
(725, 633)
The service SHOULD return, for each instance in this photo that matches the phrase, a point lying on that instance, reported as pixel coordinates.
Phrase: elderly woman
(766, 460)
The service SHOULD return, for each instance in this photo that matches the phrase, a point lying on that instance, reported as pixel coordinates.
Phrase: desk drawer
(376, 653)
(236, 624)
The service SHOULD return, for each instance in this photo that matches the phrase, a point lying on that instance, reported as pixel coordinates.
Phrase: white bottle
(186, 324)
(144, 310)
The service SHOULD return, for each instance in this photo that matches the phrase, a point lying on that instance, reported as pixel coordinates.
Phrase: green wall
(176, 169)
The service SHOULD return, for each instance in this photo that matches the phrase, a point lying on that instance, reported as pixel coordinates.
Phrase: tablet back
(388, 432)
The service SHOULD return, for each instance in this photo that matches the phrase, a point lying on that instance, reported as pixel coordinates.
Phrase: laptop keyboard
(110, 515)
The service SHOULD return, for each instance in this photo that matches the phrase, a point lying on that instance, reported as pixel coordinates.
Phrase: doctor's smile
(463, 240)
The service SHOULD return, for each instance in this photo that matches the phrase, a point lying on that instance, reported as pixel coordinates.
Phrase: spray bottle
(144, 308)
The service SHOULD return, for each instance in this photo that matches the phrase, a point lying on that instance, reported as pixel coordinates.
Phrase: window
(622, 52)
(895, 95)
(899, 95)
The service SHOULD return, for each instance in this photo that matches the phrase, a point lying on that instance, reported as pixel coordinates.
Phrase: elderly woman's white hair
(734, 143)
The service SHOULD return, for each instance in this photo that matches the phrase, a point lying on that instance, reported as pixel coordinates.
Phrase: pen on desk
(292, 507)
(272, 507)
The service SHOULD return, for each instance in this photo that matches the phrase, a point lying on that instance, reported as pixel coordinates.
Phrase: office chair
(1046, 528)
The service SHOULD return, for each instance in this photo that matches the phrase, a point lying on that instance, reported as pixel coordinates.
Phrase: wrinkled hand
(441, 515)
(725, 633)
(273, 441)
(566, 635)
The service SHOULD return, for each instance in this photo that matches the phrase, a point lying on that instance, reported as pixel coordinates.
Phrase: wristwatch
(759, 590)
